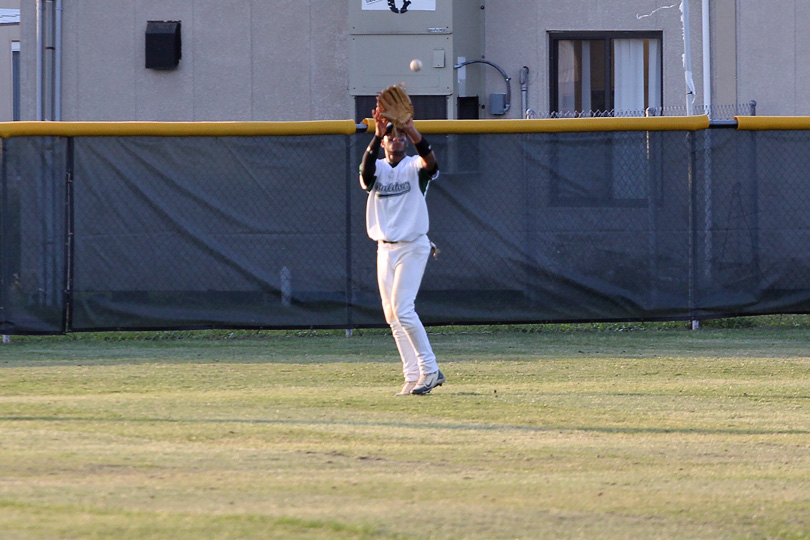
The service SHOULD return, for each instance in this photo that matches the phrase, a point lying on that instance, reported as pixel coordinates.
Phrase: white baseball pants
(400, 267)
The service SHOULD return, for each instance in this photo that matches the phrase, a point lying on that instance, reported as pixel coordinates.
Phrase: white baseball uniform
(397, 218)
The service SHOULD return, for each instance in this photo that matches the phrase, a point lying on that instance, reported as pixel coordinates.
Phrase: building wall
(517, 35)
(241, 60)
(289, 60)
(8, 34)
(772, 56)
(724, 51)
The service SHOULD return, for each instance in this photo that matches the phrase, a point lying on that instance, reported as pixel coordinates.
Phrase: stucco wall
(288, 60)
(241, 60)
(772, 60)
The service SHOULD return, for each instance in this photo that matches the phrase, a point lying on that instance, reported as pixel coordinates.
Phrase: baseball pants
(400, 267)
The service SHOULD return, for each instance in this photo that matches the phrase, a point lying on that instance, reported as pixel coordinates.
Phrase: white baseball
(416, 64)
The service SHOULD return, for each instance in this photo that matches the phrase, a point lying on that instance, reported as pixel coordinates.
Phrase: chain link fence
(715, 112)
(142, 232)
(224, 231)
(33, 232)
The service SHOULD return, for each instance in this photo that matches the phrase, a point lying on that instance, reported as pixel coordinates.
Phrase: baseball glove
(395, 105)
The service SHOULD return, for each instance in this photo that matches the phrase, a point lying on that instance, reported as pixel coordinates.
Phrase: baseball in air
(416, 64)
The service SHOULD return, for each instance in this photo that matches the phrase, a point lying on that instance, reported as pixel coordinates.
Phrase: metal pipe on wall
(39, 53)
(524, 91)
(506, 79)
(48, 56)
(49, 60)
(57, 68)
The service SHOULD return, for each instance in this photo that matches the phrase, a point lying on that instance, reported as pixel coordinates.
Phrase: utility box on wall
(163, 44)
(387, 34)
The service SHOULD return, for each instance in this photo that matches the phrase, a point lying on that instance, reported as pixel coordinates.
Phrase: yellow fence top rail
(175, 129)
(348, 127)
(758, 123)
(560, 125)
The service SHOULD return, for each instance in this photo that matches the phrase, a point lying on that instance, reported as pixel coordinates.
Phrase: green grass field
(579, 434)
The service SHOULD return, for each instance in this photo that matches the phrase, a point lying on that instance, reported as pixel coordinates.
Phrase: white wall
(241, 60)
(288, 60)
(772, 62)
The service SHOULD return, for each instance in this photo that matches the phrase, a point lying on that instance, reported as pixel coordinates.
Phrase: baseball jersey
(396, 209)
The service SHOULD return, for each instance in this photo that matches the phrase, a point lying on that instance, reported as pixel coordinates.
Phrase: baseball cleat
(406, 388)
(428, 382)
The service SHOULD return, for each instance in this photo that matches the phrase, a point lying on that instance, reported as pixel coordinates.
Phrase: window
(595, 74)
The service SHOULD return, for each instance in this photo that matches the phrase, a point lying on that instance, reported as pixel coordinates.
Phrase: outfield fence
(125, 226)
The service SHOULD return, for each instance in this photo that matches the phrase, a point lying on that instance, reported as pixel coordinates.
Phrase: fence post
(3, 234)
(693, 230)
(67, 291)
(349, 146)
(754, 223)
(708, 210)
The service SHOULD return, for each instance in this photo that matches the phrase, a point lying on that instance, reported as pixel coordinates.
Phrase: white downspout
(687, 57)
(707, 60)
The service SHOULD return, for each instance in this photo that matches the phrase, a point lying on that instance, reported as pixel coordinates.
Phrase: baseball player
(397, 219)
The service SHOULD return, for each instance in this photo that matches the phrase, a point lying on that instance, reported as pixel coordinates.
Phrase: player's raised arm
(422, 146)
(368, 167)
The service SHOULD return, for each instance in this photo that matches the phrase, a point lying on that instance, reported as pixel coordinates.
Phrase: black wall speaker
(163, 44)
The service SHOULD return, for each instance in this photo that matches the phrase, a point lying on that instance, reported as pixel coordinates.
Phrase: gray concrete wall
(289, 60)
(241, 60)
(724, 51)
(772, 66)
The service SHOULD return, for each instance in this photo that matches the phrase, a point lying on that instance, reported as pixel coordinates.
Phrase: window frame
(607, 37)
